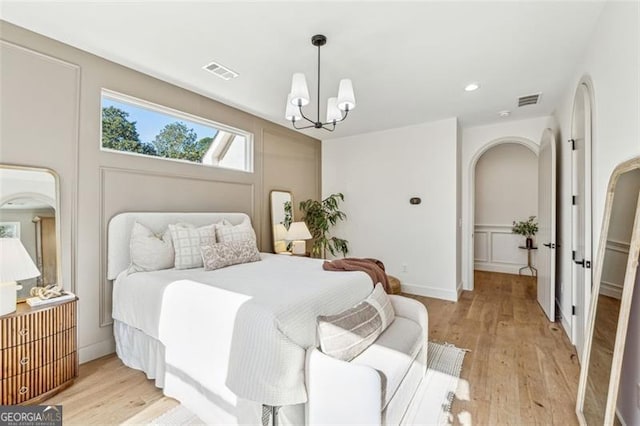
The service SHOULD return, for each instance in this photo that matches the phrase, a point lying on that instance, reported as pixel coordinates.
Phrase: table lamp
(15, 265)
(279, 237)
(298, 232)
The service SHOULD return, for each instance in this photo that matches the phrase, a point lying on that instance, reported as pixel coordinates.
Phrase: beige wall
(51, 118)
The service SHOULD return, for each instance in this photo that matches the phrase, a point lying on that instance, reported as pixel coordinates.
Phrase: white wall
(612, 63)
(378, 173)
(506, 189)
(475, 141)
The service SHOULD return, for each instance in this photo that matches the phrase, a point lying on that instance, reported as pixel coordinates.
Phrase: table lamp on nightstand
(15, 265)
(298, 232)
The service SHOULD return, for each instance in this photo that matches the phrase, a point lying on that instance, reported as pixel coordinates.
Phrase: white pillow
(148, 251)
(226, 233)
(187, 240)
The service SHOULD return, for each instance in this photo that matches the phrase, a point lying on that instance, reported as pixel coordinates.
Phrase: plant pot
(529, 242)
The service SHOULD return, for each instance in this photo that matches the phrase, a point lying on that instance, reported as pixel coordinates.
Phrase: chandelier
(337, 108)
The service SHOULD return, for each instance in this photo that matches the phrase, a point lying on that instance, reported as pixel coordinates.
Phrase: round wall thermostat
(415, 200)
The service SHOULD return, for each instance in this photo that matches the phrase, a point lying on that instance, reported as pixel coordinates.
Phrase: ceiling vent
(220, 71)
(529, 99)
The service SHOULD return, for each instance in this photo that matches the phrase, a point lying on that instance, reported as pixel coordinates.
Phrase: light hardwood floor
(522, 369)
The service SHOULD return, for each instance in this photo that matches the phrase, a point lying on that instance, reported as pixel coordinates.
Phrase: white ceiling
(409, 61)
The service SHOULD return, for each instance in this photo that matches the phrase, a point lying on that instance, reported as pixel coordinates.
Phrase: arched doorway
(468, 236)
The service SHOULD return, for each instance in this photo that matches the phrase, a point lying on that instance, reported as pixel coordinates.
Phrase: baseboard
(459, 290)
(437, 293)
(611, 289)
(564, 321)
(620, 418)
(502, 268)
(96, 350)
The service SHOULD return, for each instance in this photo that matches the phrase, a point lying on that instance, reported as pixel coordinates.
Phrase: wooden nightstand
(37, 352)
(307, 254)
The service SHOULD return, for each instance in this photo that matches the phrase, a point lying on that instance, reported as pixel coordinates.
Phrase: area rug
(431, 404)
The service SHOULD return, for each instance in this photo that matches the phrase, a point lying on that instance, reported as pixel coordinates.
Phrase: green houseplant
(320, 216)
(527, 228)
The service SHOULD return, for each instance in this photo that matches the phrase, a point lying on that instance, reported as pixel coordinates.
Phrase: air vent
(529, 99)
(220, 71)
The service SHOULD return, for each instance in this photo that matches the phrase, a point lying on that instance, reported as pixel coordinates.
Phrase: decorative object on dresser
(298, 232)
(15, 265)
(30, 198)
(319, 217)
(37, 352)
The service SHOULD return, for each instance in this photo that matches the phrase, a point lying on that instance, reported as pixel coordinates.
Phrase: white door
(581, 213)
(547, 224)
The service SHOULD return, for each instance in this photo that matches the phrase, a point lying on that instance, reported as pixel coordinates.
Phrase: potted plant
(528, 228)
(320, 216)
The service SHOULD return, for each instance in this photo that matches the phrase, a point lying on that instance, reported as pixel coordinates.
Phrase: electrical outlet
(404, 267)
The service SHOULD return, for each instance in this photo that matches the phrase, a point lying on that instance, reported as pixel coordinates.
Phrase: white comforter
(240, 331)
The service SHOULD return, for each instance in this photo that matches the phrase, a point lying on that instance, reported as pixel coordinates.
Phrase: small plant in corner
(527, 228)
(320, 216)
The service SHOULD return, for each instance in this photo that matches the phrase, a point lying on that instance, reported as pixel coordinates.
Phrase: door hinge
(573, 144)
(573, 310)
(574, 199)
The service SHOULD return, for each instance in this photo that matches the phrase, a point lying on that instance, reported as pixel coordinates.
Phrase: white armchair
(377, 386)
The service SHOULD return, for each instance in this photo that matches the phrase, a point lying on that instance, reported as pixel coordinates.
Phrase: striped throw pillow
(347, 334)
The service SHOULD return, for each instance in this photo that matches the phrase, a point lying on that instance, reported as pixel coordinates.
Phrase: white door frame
(584, 87)
(467, 236)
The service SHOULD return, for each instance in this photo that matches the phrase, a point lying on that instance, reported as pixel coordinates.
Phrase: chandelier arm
(344, 116)
(329, 129)
(301, 128)
(304, 116)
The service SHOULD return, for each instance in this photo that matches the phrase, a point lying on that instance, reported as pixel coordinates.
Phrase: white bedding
(240, 331)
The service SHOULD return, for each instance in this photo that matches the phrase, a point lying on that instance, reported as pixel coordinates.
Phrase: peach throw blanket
(372, 267)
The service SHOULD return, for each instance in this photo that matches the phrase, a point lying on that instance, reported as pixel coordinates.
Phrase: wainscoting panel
(497, 249)
(614, 267)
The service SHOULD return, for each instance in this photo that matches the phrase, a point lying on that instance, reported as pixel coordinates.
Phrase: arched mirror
(612, 293)
(281, 218)
(29, 206)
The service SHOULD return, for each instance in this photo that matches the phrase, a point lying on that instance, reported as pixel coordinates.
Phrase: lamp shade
(292, 113)
(15, 262)
(333, 112)
(346, 97)
(298, 231)
(299, 90)
(279, 232)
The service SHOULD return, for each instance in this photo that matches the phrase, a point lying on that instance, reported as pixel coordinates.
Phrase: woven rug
(430, 406)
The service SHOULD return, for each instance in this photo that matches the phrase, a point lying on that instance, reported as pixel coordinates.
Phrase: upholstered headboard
(120, 226)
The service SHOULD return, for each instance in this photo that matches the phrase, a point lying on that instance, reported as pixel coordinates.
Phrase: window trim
(180, 115)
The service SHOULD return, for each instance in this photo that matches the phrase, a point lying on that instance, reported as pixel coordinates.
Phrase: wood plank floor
(522, 369)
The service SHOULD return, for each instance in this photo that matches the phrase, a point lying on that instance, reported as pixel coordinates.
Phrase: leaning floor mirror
(611, 300)
(281, 218)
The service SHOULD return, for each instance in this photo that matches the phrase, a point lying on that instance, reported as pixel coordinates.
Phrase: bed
(224, 343)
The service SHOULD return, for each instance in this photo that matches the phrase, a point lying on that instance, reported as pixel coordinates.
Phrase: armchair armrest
(413, 310)
(340, 392)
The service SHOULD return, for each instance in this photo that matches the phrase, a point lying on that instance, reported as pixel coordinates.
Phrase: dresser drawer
(23, 387)
(20, 329)
(23, 358)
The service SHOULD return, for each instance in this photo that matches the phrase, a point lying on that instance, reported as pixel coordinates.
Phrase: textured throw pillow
(347, 334)
(220, 255)
(148, 251)
(187, 240)
(241, 232)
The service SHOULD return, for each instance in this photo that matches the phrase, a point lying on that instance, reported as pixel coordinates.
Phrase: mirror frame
(273, 241)
(56, 179)
(625, 301)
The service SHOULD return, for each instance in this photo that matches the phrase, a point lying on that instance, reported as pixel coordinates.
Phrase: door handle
(550, 245)
(579, 262)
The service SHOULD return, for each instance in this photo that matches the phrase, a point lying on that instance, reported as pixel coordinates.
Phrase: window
(134, 126)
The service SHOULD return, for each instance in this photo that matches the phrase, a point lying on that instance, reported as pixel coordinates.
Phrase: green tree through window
(120, 134)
